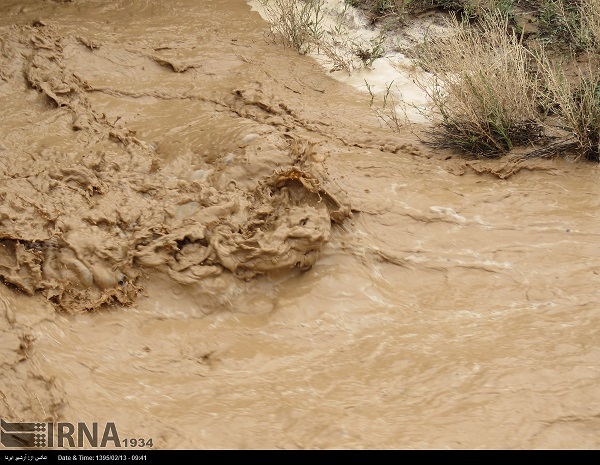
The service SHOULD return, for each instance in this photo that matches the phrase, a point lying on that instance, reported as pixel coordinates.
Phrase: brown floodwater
(208, 241)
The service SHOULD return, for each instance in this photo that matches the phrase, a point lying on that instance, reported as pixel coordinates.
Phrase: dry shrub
(387, 113)
(299, 24)
(560, 24)
(590, 22)
(295, 23)
(574, 24)
(574, 100)
(482, 88)
(574, 97)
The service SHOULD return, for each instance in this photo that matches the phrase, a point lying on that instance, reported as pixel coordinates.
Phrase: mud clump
(86, 205)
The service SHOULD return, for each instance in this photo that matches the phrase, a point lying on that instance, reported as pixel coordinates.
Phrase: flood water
(210, 242)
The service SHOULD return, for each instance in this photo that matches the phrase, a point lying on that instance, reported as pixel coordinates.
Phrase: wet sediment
(266, 266)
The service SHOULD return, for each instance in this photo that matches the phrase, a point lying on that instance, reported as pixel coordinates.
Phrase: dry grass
(490, 93)
(590, 22)
(482, 88)
(575, 102)
(300, 24)
(572, 93)
(296, 23)
(387, 112)
(572, 24)
(561, 24)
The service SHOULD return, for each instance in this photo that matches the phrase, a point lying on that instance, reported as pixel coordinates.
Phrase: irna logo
(60, 435)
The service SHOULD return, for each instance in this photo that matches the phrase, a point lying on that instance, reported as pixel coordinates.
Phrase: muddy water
(181, 259)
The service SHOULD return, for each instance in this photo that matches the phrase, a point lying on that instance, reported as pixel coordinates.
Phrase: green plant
(387, 113)
(384, 7)
(563, 23)
(468, 9)
(368, 53)
(378, 10)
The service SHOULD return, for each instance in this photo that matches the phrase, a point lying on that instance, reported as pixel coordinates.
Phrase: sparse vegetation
(561, 24)
(590, 19)
(386, 112)
(369, 52)
(381, 10)
(570, 24)
(492, 92)
(294, 23)
(493, 87)
(575, 102)
(571, 92)
(299, 24)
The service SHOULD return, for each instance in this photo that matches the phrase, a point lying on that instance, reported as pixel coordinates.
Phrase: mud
(79, 226)
(209, 241)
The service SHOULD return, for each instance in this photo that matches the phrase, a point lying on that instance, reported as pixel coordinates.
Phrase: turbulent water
(210, 242)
